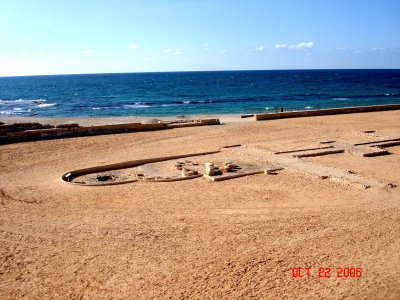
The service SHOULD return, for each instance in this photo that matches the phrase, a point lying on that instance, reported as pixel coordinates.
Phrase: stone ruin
(243, 160)
(21, 132)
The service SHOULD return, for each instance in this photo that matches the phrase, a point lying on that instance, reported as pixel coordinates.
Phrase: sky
(39, 37)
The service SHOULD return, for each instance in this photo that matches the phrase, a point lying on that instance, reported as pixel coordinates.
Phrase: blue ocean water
(188, 93)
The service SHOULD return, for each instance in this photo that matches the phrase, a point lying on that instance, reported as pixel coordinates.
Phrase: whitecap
(341, 99)
(165, 105)
(10, 102)
(7, 112)
(19, 110)
(46, 104)
(137, 105)
(38, 100)
(21, 101)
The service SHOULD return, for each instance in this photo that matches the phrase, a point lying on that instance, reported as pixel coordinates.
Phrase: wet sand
(197, 239)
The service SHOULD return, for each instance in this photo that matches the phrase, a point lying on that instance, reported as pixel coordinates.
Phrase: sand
(197, 239)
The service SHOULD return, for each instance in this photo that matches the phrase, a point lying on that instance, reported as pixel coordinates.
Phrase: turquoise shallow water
(188, 93)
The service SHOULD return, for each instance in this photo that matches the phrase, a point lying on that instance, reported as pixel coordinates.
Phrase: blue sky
(67, 37)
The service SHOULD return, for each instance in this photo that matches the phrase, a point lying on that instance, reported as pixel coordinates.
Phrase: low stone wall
(329, 111)
(125, 127)
(197, 123)
(210, 122)
(4, 128)
(35, 131)
(69, 176)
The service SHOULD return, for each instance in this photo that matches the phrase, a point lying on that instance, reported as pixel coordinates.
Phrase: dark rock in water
(103, 177)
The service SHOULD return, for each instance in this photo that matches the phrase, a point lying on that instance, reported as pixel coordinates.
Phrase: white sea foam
(21, 101)
(19, 110)
(341, 99)
(137, 105)
(38, 100)
(7, 112)
(165, 105)
(46, 105)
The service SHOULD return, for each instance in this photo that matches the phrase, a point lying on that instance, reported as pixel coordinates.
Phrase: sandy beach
(197, 239)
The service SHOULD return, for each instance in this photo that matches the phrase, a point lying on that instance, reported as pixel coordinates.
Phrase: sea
(195, 93)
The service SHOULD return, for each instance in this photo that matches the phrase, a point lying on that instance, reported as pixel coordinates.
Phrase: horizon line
(196, 71)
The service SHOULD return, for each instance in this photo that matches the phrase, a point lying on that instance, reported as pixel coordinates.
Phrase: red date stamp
(345, 272)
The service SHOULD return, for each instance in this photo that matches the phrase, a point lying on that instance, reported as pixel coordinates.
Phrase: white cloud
(259, 49)
(281, 46)
(306, 45)
(87, 52)
(205, 46)
(173, 51)
(133, 46)
(302, 45)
